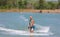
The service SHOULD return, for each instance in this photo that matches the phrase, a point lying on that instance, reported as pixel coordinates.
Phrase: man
(31, 25)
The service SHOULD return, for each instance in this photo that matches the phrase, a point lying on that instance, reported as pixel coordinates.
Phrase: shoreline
(30, 10)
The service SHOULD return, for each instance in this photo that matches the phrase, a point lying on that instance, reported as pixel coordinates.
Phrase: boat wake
(43, 31)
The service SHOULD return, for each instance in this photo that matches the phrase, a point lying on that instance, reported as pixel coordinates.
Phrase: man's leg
(32, 30)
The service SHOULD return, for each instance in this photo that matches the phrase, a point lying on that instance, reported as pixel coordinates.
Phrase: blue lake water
(19, 21)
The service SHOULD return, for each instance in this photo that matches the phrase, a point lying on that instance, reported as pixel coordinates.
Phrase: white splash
(21, 32)
(42, 28)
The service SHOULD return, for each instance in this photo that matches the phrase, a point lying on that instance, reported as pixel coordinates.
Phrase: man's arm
(32, 23)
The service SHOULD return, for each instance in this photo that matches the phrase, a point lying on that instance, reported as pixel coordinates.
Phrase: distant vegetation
(29, 4)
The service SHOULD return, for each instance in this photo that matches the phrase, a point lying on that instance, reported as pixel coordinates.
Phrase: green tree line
(24, 4)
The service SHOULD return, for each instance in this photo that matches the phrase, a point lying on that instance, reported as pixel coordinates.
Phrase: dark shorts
(32, 27)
